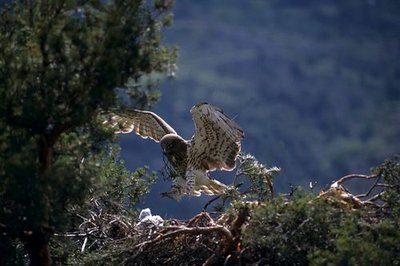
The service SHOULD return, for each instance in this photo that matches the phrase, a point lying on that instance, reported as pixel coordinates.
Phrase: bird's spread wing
(144, 123)
(216, 141)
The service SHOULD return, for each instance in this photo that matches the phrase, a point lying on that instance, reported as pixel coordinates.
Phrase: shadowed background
(314, 85)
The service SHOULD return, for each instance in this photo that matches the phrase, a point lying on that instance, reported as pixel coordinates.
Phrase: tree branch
(187, 231)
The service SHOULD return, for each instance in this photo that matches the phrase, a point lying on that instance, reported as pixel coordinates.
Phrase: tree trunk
(37, 245)
(37, 242)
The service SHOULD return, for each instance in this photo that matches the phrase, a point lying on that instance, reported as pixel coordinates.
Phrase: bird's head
(173, 145)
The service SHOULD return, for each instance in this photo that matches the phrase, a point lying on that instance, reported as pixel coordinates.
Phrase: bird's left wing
(216, 141)
(144, 123)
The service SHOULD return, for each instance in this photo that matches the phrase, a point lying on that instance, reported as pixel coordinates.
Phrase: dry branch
(187, 231)
(371, 198)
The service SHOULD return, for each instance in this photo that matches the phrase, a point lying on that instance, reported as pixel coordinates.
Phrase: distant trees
(60, 62)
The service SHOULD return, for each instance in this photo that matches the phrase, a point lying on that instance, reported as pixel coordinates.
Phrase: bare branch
(187, 231)
(353, 176)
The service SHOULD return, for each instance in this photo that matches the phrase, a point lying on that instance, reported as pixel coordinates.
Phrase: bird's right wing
(216, 141)
(144, 123)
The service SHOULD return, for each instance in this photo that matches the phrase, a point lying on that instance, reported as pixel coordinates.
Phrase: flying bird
(214, 145)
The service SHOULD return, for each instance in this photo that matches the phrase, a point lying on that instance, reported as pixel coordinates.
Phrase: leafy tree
(60, 63)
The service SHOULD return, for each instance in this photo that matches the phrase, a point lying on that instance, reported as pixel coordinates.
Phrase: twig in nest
(229, 246)
(195, 219)
(370, 197)
(84, 245)
(168, 172)
(210, 201)
(366, 194)
(187, 231)
(376, 197)
(376, 184)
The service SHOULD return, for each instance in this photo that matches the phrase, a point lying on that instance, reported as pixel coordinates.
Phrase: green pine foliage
(106, 215)
(60, 63)
(283, 232)
(299, 228)
(360, 243)
(304, 230)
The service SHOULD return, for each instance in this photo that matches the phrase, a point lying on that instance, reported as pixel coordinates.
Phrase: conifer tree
(60, 62)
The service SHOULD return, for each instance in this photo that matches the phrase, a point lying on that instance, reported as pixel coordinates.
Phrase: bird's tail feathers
(213, 187)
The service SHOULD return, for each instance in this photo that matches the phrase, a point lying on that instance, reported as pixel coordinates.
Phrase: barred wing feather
(144, 123)
(216, 141)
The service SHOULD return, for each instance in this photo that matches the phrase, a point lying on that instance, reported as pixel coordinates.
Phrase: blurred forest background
(314, 84)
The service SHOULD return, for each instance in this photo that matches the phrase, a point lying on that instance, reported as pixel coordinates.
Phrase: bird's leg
(175, 194)
(190, 181)
(178, 189)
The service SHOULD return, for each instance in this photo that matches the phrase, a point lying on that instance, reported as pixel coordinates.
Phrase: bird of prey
(214, 146)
